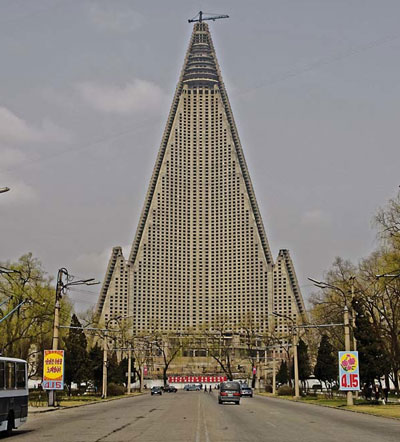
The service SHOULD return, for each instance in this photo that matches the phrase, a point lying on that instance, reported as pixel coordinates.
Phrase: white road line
(205, 426)
(198, 420)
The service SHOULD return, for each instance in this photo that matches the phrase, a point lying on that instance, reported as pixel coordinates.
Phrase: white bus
(13, 393)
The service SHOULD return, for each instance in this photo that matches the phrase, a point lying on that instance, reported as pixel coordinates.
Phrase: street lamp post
(60, 288)
(295, 353)
(105, 362)
(347, 346)
(346, 321)
(273, 372)
(296, 364)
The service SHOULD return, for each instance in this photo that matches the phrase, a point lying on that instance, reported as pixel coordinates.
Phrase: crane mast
(200, 17)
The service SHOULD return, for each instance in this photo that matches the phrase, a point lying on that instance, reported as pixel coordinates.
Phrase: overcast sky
(85, 88)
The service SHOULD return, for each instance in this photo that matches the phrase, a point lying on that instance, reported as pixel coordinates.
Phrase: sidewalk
(38, 410)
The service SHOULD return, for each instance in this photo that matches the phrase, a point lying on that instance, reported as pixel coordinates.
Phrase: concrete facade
(200, 254)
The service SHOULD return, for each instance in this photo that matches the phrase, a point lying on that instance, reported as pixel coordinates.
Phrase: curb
(102, 401)
(331, 407)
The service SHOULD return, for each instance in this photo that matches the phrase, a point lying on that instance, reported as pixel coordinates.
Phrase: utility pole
(347, 346)
(296, 365)
(105, 362)
(56, 326)
(57, 306)
(353, 320)
(128, 390)
(273, 372)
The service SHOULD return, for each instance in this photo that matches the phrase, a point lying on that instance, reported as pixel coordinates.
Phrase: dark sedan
(246, 391)
(156, 390)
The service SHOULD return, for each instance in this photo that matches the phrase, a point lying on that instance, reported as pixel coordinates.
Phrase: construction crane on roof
(200, 17)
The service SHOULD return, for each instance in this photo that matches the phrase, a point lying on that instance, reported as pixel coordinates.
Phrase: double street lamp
(4, 189)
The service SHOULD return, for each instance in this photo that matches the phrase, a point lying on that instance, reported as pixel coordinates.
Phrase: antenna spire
(203, 16)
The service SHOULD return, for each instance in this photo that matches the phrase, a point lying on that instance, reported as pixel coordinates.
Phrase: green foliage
(29, 330)
(268, 388)
(76, 356)
(96, 366)
(285, 390)
(282, 377)
(304, 361)
(326, 368)
(374, 361)
(378, 300)
(115, 389)
(117, 371)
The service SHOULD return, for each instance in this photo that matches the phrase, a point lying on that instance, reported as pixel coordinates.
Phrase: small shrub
(268, 388)
(115, 389)
(285, 390)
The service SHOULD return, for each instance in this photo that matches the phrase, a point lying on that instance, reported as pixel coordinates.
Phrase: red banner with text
(196, 379)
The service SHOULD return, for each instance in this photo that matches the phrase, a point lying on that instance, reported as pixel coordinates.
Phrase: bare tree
(220, 342)
(168, 346)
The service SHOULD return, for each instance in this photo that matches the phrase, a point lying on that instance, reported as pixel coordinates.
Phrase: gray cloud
(121, 18)
(135, 96)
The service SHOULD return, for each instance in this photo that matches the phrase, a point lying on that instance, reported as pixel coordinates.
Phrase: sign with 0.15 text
(53, 370)
(349, 371)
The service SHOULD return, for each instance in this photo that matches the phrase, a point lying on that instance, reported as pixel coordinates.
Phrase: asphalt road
(197, 417)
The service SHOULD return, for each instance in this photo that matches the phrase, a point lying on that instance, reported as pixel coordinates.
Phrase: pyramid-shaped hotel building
(200, 252)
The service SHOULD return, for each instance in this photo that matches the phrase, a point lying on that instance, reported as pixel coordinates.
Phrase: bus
(13, 393)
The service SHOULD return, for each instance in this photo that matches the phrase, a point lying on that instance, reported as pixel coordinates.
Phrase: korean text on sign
(53, 369)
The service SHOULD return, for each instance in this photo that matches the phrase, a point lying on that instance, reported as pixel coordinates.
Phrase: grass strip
(360, 406)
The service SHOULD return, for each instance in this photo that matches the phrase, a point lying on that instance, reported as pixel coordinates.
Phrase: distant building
(200, 252)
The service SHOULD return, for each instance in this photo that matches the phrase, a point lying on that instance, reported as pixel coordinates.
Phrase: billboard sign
(349, 371)
(53, 370)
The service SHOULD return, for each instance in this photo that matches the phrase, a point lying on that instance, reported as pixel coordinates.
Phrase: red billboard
(196, 379)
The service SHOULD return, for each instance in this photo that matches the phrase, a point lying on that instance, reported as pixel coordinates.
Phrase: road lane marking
(198, 420)
(205, 425)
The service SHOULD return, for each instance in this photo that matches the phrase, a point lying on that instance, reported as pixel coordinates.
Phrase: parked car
(156, 390)
(170, 389)
(191, 387)
(246, 391)
(229, 392)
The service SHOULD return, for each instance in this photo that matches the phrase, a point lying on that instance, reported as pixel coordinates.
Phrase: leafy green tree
(378, 320)
(326, 367)
(114, 372)
(303, 362)
(96, 366)
(282, 377)
(28, 331)
(374, 361)
(76, 356)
